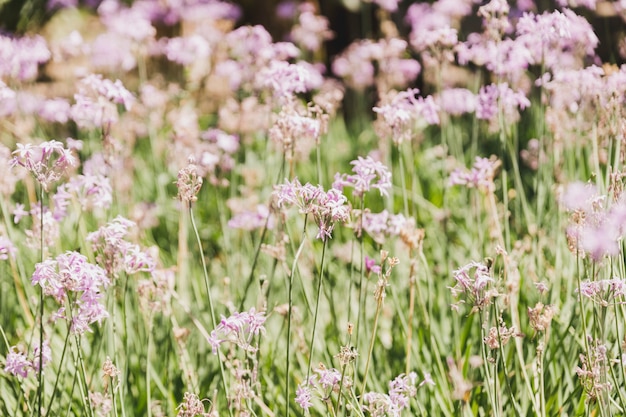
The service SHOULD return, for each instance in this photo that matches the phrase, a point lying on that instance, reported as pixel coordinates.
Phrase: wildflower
(401, 390)
(321, 385)
(603, 291)
(365, 171)
(404, 114)
(456, 101)
(71, 273)
(499, 336)
(44, 358)
(540, 316)
(47, 162)
(7, 249)
(20, 57)
(116, 254)
(188, 183)
(493, 98)
(311, 29)
(380, 226)
(480, 176)
(252, 219)
(593, 372)
(304, 396)
(187, 50)
(327, 208)
(96, 101)
(16, 363)
(474, 286)
(239, 328)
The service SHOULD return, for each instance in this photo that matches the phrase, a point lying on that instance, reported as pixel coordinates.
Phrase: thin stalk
(40, 386)
(148, 369)
(56, 382)
(371, 349)
(343, 374)
(212, 310)
(293, 271)
(405, 201)
(317, 305)
(504, 367)
(492, 400)
(542, 394)
(361, 309)
(409, 337)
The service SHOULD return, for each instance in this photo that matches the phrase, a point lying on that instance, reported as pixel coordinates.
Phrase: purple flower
(473, 280)
(45, 359)
(456, 101)
(366, 170)
(481, 175)
(304, 396)
(327, 208)
(97, 99)
(7, 249)
(17, 364)
(187, 50)
(311, 29)
(252, 219)
(47, 162)
(70, 272)
(406, 113)
(116, 254)
(239, 328)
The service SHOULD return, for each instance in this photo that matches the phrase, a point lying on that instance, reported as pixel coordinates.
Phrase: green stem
(317, 305)
(40, 387)
(293, 271)
(370, 350)
(212, 310)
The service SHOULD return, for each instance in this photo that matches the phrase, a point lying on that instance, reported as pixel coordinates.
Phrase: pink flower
(17, 364)
(366, 170)
(239, 328)
(47, 161)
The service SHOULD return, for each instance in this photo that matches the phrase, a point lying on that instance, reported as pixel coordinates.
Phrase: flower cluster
(593, 371)
(493, 99)
(97, 100)
(481, 175)
(47, 162)
(20, 57)
(357, 65)
(366, 170)
(596, 224)
(405, 114)
(188, 183)
(475, 282)
(252, 219)
(320, 385)
(326, 207)
(17, 363)
(116, 254)
(7, 249)
(240, 329)
(401, 390)
(91, 191)
(381, 225)
(604, 291)
(311, 29)
(71, 275)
